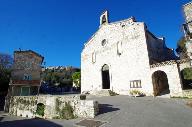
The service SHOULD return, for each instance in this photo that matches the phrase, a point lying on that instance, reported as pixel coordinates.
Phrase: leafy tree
(59, 76)
(181, 45)
(186, 76)
(77, 78)
(187, 73)
(6, 62)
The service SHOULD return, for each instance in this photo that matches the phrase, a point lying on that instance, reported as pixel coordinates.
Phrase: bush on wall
(187, 73)
(40, 109)
(67, 112)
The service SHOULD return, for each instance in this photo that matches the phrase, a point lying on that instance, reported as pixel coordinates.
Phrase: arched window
(40, 109)
(104, 19)
(103, 42)
(93, 57)
(119, 48)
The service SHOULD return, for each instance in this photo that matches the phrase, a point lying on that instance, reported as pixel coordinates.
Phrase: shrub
(67, 112)
(135, 92)
(187, 73)
(40, 109)
(77, 79)
(57, 105)
(112, 93)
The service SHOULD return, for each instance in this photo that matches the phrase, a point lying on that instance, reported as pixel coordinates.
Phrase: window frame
(135, 84)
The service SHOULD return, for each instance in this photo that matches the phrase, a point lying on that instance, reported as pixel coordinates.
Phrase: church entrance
(105, 77)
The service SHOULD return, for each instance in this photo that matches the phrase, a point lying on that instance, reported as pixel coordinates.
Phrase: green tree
(187, 73)
(61, 77)
(181, 45)
(77, 79)
(6, 62)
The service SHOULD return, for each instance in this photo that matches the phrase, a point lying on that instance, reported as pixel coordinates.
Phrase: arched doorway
(40, 109)
(186, 77)
(160, 83)
(105, 77)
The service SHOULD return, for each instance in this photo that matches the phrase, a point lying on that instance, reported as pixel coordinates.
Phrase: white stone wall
(26, 106)
(173, 76)
(185, 65)
(132, 64)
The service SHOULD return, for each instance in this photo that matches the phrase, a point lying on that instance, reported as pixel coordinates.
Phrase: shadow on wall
(1, 118)
(2, 103)
(28, 123)
(105, 108)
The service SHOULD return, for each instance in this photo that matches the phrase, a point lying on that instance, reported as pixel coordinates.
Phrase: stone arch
(105, 77)
(160, 83)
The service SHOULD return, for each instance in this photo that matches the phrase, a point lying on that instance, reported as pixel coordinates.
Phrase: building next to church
(187, 28)
(187, 9)
(118, 57)
(25, 77)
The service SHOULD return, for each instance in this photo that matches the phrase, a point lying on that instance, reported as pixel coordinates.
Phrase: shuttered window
(119, 48)
(135, 84)
(93, 57)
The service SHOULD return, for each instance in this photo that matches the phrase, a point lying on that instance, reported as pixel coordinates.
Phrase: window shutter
(93, 57)
(119, 48)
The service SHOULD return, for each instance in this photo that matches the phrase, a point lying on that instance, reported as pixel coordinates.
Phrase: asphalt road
(122, 111)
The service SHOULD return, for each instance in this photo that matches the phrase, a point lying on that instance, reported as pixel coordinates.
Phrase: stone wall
(26, 63)
(173, 71)
(187, 8)
(26, 106)
(129, 50)
(173, 76)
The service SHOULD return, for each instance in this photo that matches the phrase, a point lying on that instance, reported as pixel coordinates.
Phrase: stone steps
(101, 93)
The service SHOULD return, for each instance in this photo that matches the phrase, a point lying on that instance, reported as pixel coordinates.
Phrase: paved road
(122, 111)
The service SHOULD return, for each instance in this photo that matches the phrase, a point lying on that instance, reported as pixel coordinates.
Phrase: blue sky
(58, 29)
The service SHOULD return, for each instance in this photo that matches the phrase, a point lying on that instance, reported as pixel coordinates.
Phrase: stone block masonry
(26, 106)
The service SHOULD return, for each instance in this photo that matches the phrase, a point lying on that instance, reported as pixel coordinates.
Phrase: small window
(135, 84)
(103, 43)
(25, 91)
(119, 48)
(27, 77)
(33, 90)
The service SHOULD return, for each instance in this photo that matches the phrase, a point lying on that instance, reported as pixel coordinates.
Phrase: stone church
(125, 56)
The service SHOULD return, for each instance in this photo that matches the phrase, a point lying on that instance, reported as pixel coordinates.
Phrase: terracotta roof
(25, 82)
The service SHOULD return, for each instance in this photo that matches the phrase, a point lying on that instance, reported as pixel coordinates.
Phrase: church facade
(119, 57)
